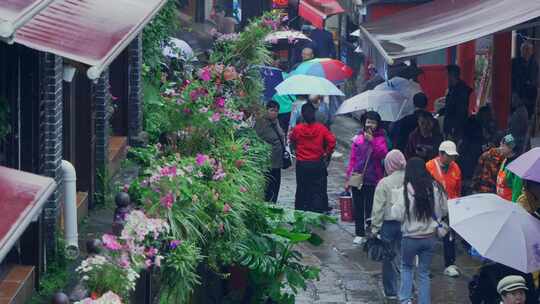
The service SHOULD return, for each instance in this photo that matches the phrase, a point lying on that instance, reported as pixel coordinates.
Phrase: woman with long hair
(424, 204)
(366, 159)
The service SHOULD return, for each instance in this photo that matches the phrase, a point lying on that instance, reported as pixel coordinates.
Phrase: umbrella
(290, 36)
(331, 69)
(405, 87)
(305, 85)
(389, 104)
(271, 77)
(178, 49)
(355, 33)
(527, 166)
(498, 229)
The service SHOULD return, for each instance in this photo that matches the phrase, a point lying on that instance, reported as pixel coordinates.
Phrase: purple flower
(220, 102)
(203, 110)
(200, 159)
(174, 244)
(215, 117)
(168, 171)
(151, 252)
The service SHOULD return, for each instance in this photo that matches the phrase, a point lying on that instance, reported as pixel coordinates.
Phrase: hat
(509, 140)
(448, 147)
(394, 161)
(511, 283)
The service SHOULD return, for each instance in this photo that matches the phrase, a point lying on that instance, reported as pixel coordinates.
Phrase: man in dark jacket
(324, 43)
(456, 109)
(524, 74)
(425, 140)
(402, 129)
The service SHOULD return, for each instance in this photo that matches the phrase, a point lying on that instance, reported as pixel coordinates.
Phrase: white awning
(15, 13)
(444, 23)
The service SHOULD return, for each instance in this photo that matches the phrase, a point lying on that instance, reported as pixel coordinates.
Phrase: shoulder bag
(357, 179)
(286, 156)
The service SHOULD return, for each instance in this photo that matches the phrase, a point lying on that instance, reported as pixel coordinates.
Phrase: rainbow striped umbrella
(331, 69)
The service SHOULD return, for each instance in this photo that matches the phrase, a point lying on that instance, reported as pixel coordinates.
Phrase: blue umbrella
(271, 77)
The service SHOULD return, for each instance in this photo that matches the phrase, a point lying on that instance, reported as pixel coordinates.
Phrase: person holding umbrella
(446, 171)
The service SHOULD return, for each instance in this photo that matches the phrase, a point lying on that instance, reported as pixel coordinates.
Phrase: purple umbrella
(527, 166)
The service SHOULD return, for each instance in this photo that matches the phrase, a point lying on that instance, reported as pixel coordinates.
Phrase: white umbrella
(355, 33)
(389, 104)
(405, 87)
(178, 49)
(291, 36)
(306, 85)
(498, 229)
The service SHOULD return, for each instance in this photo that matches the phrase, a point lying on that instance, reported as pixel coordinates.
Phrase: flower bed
(199, 197)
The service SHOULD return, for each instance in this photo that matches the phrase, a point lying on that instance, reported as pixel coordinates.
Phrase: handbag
(357, 179)
(286, 156)
(379, 250)
(442, 228)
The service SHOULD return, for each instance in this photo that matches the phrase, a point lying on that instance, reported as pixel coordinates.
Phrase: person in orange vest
(509, 186)
(446, 171)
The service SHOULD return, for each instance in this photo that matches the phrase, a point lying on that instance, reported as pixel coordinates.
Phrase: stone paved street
(347, 276)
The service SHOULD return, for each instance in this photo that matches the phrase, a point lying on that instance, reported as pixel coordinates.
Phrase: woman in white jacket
(424, 204)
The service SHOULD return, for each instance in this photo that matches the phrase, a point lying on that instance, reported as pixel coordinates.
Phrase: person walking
(485, 175)
(365, 170)
(446, 171)
(383, 222)
(423, 205)
(512, 290)
(269, 130)
(456, 108)
(322, 114)
(508, 185)
(424, 141)
(313, 143)
(324, 43)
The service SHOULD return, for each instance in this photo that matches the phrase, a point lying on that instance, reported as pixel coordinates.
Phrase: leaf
(294, 237)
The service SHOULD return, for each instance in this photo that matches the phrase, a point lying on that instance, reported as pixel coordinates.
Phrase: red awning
(22, 197)
(443, 23)
(93, 32)
(15, 13)
(316, 11)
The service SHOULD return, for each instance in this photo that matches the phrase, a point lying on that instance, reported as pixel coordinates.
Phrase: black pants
(310, 188)
(362, 206)
(284, 119)
(273, 182)
(449, 248)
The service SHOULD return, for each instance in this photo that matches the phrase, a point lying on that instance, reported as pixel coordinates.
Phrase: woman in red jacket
(313, 143)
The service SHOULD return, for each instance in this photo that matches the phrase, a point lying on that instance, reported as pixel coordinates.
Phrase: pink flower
(219, 174)
(220, 102)
(226, 208)
(200, 159)
(168, 171)
(148, 263)
(125, 188)
(205, 74)
(215, 117)
(124, 260)
(243, 190)
(221, 228)
(187, 110)
(111, 242)
(151, 252)
(174, 244)
(167, 201)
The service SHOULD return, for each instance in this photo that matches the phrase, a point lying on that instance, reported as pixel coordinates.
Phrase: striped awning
(93, 32)
(15, 13)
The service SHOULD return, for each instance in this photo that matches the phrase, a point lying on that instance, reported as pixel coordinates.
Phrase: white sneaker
(359, 240)
(452, 271)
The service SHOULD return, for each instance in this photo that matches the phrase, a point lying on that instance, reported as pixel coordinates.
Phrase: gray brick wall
(135, 96)
(51, 141)
(102, 100)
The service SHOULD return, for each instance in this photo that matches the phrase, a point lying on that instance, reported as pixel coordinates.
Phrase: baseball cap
(509, 140)
(448, 147)
(511, 283)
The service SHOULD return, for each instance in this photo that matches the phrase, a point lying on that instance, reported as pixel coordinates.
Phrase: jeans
(423, 248)
(362, 206)
(391, 233)
(449, 248)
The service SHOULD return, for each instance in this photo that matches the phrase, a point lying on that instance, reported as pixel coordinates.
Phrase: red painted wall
(378, 11)
(434, 82)
(501, 88)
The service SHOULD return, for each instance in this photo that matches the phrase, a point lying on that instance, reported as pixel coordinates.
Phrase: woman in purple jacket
(367, 154)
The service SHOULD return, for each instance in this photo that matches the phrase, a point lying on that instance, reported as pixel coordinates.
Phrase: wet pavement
(347, 276)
